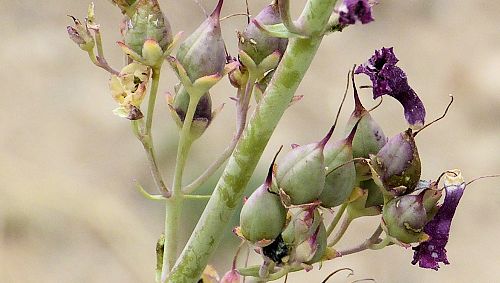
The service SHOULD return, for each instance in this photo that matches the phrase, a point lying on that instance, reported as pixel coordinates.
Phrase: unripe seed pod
(313, 248)
(302, 225)
(148, 22)
(397, 165)
(340, 182)
(369, 138)
(263, 216)
(404, 218)
(203, 109)
(203, 52)
(431, 197)
(321, 243)
(256, 43)
(301, 174)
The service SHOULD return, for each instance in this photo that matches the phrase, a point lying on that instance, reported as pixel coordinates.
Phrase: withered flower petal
(387, 78)
(430, 253)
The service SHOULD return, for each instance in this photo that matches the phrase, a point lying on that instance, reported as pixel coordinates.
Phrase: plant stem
(152, 100)
(229, 190)
(365, 245)
(343, 228)
(173, 204)
(336, 219)
(242, 110)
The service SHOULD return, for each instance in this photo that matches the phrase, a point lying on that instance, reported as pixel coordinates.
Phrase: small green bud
(147, 23)
(81, 35)
(301, 174)
(203, 52)
(339, 182)
(397, 167)
(256, 43)
(404, 219)
(263, 216)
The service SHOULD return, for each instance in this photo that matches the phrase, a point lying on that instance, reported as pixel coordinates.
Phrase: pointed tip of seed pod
(323, 142)
(216, 13)
(358, 106)
(269, 178)
(350, 137)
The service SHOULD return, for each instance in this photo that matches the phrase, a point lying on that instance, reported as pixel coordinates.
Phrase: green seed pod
(302, 225)
(263, 216)
(339, 182)
(203, 114)
(397, 165)
(431, 197)
(203, 52)
(148, 22)
(369, 138)
(404, 219)
(313, 248)
(321, 243)
(301, 174)
(375, 196)
(256, 43)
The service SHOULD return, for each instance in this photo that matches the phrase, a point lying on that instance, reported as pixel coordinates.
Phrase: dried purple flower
(352, 10)
(428, 254)
(387, 78)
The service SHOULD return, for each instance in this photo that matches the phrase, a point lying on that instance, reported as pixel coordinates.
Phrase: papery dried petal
(430, 253)
(355, 10)
(387, 78)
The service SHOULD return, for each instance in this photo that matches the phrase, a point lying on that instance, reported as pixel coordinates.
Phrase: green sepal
(278, 30)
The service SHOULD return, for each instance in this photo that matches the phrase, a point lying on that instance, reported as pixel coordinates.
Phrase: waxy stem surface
(231, 186)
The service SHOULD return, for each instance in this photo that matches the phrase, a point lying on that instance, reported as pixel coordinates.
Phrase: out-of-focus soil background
(68, 208)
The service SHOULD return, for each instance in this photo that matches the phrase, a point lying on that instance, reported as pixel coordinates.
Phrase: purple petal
(387, 78)
(428, 254)
(353, 10)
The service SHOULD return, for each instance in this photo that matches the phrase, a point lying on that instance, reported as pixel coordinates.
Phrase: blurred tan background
(68, 209)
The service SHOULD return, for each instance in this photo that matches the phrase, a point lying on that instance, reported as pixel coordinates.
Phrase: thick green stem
(229, 190)
(173, 206)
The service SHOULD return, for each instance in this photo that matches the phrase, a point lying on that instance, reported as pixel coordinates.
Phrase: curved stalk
(242, 110)
(229, 190)
(336, 219)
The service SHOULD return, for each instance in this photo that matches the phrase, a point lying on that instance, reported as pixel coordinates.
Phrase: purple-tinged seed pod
(397, 165)
(369, 138)
(404, 219)
(256, 43)
(263, 216)
(301, 173)
(203, 52)
(301, 226)
(339, 182)
(313, 248)
(203, 109)
(147, 22)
